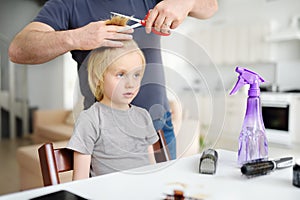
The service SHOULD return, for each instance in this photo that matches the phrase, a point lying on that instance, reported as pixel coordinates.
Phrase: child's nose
(130, 82)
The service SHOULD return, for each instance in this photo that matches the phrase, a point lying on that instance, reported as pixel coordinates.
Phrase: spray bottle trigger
(247, 77)
(240, 83)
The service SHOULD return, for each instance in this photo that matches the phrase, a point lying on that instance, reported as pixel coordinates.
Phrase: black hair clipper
(208, 162)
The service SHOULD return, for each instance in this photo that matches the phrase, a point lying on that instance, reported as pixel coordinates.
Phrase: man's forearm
(35, 47)
(204, 9)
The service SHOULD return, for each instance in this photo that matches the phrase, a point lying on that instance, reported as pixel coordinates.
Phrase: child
(113, 135)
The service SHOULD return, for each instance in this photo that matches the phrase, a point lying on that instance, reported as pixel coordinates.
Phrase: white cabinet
(241, 31)
(232, 44)
(235, 108)
(215, 119)
(235, 113)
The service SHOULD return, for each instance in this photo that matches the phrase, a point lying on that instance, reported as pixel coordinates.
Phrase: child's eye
(120, 75)
(136, 75)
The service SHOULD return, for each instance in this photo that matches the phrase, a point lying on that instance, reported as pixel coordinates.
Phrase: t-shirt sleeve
(55, 13)
(85, 134)
(152, 137)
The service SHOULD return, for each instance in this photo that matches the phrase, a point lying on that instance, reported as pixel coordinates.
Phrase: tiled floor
(9, 172)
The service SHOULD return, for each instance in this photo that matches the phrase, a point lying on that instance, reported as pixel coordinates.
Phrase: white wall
(50, 85)
(236, 36)
(14, 15)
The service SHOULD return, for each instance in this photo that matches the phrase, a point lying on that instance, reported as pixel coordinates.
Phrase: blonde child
(113, 135)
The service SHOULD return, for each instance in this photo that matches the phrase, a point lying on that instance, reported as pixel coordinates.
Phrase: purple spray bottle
(253, 143)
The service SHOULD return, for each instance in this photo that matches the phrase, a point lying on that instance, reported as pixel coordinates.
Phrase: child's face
(122, 80)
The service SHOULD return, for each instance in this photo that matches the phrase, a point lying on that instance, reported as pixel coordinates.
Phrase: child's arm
(151, 155)
(81, 166)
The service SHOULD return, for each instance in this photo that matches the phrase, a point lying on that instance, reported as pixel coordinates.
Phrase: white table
(151, 182)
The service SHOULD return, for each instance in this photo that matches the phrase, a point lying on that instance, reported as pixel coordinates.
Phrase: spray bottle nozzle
(248, 77)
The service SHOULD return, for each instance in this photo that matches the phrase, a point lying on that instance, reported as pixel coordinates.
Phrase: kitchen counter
(275, 150)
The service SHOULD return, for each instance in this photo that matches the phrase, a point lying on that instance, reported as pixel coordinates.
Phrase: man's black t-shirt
(72, 14)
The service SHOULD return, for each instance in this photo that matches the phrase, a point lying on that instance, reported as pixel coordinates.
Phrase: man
(78, 26)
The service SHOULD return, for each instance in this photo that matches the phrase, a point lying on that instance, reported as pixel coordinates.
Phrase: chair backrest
(161, 150)
(53, 161)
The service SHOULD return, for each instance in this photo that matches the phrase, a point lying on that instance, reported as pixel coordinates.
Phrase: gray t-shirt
(116, 139)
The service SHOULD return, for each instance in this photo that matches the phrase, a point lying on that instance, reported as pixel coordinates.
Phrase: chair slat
(53, 161)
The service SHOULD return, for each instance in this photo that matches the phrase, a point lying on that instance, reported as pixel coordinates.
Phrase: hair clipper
(208, 162)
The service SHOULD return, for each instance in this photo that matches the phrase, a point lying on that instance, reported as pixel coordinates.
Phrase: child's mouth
(128, 94)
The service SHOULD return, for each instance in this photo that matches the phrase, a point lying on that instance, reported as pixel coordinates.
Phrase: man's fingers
(158, 21)
(158, 24)
(118, 36)
(151, 18)
(167, 22)
(112, 43)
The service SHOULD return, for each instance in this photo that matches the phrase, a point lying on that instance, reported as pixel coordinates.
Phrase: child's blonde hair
(100, 59)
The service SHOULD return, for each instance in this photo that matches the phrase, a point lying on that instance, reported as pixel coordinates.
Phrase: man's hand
(169, 14)
(97, 34)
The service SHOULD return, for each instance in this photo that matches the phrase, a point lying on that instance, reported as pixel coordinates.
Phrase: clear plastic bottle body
(253, 143)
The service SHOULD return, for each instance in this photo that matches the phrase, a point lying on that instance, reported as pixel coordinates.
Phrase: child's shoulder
(91, 111)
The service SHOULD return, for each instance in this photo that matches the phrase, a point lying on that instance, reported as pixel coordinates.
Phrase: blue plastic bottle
(253, 143)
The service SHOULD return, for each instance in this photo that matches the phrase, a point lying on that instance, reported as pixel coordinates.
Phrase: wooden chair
(161, 150)
(53, 161)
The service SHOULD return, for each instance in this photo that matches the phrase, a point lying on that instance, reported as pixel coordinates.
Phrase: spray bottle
(253, 143)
